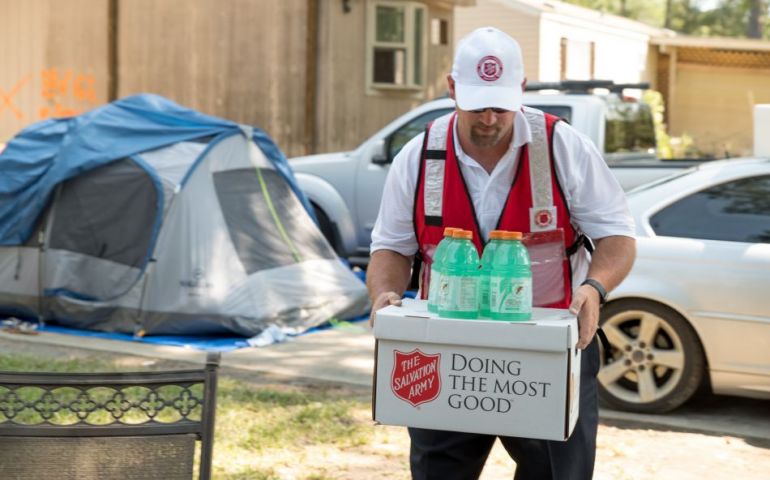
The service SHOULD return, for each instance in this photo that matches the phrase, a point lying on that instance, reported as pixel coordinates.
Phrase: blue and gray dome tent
(143, 215)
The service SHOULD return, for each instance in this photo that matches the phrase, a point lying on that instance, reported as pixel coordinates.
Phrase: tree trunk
(754, 28)
(667, 22)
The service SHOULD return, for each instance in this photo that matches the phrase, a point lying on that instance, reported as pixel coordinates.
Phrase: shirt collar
(521, 132)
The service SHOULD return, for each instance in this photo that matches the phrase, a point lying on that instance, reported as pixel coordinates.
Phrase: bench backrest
(107, 425)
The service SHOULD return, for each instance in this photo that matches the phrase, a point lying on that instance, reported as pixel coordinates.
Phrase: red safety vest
(442, 198)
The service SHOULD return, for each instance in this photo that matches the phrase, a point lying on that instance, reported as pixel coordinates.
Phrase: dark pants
(441, 455)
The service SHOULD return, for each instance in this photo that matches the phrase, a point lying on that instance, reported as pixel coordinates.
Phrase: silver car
(695, 309)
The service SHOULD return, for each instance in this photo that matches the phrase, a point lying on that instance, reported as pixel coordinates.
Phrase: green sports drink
(510, 280)
(486, 267)
(458, 295)
(437, 268)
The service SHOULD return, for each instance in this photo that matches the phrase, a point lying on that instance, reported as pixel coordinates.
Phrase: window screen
(107, 213)
(629, 128)
(263, 237)
(737, 211)
(396, 48)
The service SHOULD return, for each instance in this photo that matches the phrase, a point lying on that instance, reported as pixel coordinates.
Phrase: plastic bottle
(486, 267)
(458, 297)
(510, 281)
(437, 268)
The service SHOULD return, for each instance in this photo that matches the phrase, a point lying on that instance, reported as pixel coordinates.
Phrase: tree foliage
(723, 18)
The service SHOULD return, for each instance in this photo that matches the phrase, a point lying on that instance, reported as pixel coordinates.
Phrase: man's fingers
(383, 300)
(577, 303)
(586, 334)
(387, 298)
(587, 331)
(394, 299)
(587, 311)
(587, 320)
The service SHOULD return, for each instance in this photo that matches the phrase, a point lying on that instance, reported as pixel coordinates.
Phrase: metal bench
(107, 426)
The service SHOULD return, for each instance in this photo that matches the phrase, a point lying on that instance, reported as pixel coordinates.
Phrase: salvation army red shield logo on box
(416, 378)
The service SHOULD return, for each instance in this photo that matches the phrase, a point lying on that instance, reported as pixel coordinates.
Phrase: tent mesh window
(87, 208)
(268, 225)
(107, 214)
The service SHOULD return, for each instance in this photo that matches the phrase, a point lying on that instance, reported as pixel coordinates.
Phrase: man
(493, 164)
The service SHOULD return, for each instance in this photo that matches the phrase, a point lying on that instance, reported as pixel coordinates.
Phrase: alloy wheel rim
(647, 358)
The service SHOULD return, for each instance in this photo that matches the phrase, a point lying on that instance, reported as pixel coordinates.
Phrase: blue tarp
(50, 152)
(202, 342)
(211, 343)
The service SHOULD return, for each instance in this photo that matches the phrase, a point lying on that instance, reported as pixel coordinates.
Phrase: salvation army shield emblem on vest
(416, 378)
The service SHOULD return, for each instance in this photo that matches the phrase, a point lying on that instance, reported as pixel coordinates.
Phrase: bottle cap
(496, 234)
(464, 234)
(449, 231)
(512, 235)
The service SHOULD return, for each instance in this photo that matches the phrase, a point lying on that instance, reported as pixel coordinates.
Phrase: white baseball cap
(488, 71)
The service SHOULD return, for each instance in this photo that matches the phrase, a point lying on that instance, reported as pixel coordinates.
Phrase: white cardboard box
(517, 379)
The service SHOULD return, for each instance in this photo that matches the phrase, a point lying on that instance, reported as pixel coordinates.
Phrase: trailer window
(629, 128)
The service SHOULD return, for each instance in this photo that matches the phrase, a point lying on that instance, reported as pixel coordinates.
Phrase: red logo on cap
(415, 377)
(489, 68)
(543, 218)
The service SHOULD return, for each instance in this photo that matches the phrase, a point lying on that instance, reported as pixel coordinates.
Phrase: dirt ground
(624, 451)
(622, 454)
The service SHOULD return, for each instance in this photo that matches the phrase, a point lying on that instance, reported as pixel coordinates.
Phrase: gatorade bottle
(510, 281)
(486, 267)
(437, 268)
(458, 297)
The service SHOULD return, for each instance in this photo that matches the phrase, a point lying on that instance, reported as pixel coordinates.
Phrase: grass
(28, 363)
(258, 428)
(260, 419)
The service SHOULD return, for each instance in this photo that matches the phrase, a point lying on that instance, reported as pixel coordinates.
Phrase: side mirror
(380, 153)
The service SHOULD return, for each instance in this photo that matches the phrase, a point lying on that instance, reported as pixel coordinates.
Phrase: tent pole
(40, 255)
(139, 326)
(44, 240)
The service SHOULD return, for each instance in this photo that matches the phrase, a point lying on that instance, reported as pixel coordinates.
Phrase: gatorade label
(435, 287)
(443, 291)
(484, 292)
(461, 292)
(510, 295)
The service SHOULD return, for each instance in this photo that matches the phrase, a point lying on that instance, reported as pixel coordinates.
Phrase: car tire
(655, 362)
(327, 228)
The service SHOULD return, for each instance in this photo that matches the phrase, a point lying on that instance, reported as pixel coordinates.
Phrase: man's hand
(610, 263)
(585, 304)
(388, 273)
(383, 300)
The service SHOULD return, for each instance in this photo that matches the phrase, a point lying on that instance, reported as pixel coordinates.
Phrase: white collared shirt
(595, 200)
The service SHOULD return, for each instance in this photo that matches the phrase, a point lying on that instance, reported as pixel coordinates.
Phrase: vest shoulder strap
(542, 215)
(434, 161)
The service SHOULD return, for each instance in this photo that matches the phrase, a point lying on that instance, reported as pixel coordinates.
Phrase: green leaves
(723, 18)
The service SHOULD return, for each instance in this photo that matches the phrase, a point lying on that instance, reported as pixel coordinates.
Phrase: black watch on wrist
(598, 287)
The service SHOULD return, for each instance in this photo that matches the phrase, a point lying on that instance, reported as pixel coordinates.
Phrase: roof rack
(585, 86)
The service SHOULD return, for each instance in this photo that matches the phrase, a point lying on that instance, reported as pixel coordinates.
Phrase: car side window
(407, 132)
(737, 211)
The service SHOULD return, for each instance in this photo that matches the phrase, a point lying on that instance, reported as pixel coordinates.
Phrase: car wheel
(655, 361)
(326, 227)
